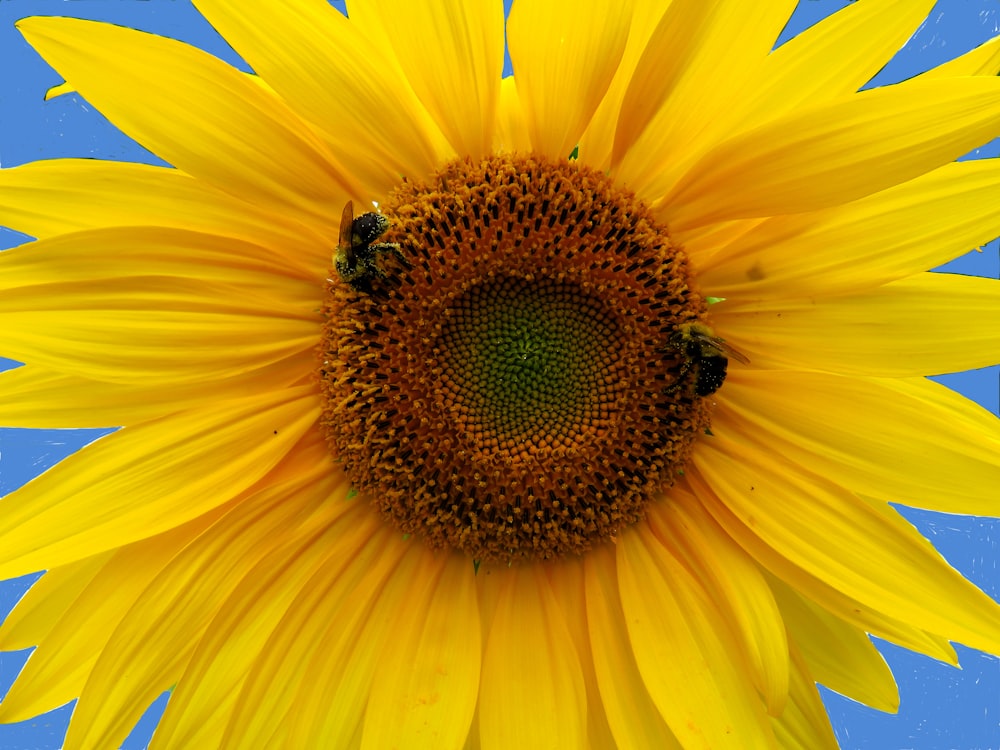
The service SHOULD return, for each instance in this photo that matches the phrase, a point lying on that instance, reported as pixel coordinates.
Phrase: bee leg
(686, 366)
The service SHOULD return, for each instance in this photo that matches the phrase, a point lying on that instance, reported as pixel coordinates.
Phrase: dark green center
(528, 362)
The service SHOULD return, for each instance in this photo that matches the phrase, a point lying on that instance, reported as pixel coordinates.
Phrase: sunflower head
(482, 465)
(512, 387)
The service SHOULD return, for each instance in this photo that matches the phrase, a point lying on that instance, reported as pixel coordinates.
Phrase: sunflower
(555, 410)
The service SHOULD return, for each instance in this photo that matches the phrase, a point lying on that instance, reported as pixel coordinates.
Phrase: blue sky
(942, 707)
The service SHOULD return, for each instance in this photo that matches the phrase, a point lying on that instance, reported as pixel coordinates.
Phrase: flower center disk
(504, 385)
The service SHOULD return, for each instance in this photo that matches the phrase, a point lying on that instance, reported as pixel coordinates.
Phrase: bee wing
(347, 227)
(731, 351)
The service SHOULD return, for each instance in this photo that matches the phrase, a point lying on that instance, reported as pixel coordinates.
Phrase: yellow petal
(837, 152)
(150, 647)
(512, 126)
(927, 324)
(835, 57)
(427, 679)
(358, 618)
(566, 579)
(196, 112)
(911, 441)
(532, 694)
(863, 549)
(675, 43)
(330, 623)
(736, 586)
(452, 53)
(146, 479)
(206, 695)
(890, 235)
(684, 650)
(804, 725)
(54, 91)
(57, 196)
(838, 655)
(47, 601)
(336, 76)
(152, 305)
(831, 598)
(81, 608)
(984, 60)
(599, 137)
(564, 60)
(632, 715)
(34, 397)
(696, 115)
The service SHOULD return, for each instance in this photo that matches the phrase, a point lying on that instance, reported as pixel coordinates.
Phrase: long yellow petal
(696, 115)
(890, 235)
(567, 581)
(804, 725)
(564, 60)
(632, 715)
(337, 76)
(57, 196)
(737, 588)
(863, 616)
(983, 60)
(427, 679)
(69, 644)
(512, 127)
(599, 137)
(911, 441)
(312, 630)
(531, 671)
(197, 113)
(672, 47)
(146, 479)
(34, 397)
(177, 606)
(360, 615)
(684, 650)
(836, 152)
(927, 324)
(452, 53)
(152, 305)
(835, 57)
(838, 655)
(863, 549)
(205, 697)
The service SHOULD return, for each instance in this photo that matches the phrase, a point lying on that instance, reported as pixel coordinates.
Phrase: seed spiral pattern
(507, 389)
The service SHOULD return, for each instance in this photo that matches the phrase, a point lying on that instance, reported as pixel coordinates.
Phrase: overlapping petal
(149, 478)
(859, 433)
(58, 196)
(529, 645)
(840, 656)
(892, 234)
(832, 153)
(564, 61)
(696, 112)
(927, 324)
(339, 77)
(685, 650)
(457, 78)
(197, 113)
(176, 607)
(791, 518)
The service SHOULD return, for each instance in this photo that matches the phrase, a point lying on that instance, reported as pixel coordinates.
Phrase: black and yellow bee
(359, 258)
(704, 354)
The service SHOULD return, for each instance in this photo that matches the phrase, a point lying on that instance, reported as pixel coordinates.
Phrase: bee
(704, 353)
(358, 260)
